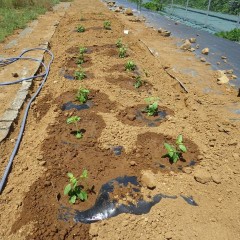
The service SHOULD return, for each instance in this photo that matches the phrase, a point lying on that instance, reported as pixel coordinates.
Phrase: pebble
(187, 170)
(192, 40)
(131, 117)
(133, 163)
(40, 157)
(42, 163)
(129, 12)
(202, 176)
(216, 178)
(148, 179)
(205, 51)
(186, 45)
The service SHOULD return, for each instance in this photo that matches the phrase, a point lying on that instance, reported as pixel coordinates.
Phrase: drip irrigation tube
(7, 61)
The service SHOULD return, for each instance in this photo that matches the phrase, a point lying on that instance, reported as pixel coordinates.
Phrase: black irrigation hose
(7, 61)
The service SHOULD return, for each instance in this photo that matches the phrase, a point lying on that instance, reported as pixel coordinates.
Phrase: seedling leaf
(73, 199)
(67, 189)
(182, 148)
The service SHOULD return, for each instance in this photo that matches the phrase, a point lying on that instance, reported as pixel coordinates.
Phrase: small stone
(218, 63)
(234, 76)
(200, 157)
(12, 140)
(168, 235)
(202, 176)
(166, 34)
(129, 12)
(186, 45)
(216, 178)
(220, 73)
(187, 170)
(223, 57)
(202, 59)
(191, 49)
(197, 46)
(229, 71)
(192, 40)
(224, 60)
(148, 179)
(223, 80)
(42, 163)
(205, 51)
(131, 117)
(117, 9)
(133, 163)
(40, 157)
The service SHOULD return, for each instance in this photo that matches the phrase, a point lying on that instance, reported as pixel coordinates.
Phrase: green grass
(15, 14)
(233, 35)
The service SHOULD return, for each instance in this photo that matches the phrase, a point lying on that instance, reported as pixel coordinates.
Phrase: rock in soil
(205, 51)
(131, 117)
(192, 40)
(202, 176)
(186, 45)
(148, 179)
(216, 178)
(222, 80)
(129, 12)
(164, 32)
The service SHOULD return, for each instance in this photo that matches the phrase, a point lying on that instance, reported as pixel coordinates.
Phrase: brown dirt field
(30, 203)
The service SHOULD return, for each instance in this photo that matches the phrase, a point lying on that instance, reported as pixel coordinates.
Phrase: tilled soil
(209, 171)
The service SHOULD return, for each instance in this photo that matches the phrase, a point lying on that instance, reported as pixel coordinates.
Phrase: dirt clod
(202, 176)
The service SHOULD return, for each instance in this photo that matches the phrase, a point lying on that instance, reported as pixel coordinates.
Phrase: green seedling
(152, 108)
(82, 95)
(122, 52)
(175, 153)
(82, 50)
(76, 189)
(80, 74)
(80, 29)
(138, 82)
(130, 66)
(107, 25)
(74, 120)
(119, 43)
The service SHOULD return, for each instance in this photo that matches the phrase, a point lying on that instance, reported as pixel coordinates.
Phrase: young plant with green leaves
(80, 59)
(107, 25)
(152, 108)
(74, 120)
(119, 43)
(82, 95)
(139, 82)
(77, 187)
(80, 74)
(122, 52)
(174, 153)
(80, 29)
(130, 66)
(82, 50)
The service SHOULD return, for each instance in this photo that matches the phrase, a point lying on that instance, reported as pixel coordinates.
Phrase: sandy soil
(30, 202)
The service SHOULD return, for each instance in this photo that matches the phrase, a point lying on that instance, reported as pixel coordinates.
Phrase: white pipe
(186, 9)
(206, 20)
